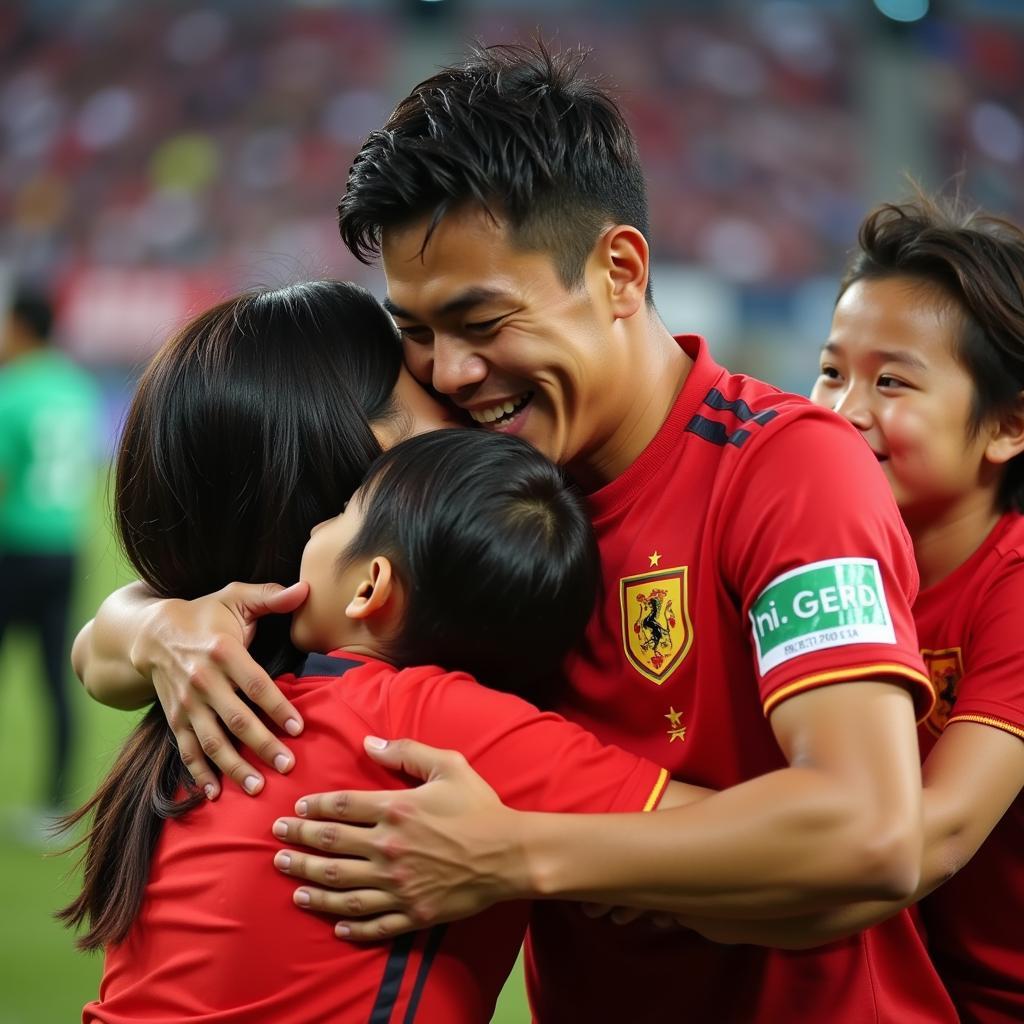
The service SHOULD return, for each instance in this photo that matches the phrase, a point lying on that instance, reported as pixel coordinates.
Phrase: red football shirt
(218, 939)
(970, 628)
(753, 551)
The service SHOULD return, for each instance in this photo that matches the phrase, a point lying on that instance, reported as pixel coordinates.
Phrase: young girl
(926, 359)
(462, 549)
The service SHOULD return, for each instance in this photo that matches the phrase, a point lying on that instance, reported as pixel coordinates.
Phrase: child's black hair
(494, 547)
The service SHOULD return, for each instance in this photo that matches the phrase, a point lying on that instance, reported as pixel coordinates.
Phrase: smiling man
(752, 634)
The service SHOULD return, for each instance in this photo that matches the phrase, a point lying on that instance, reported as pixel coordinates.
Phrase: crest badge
(656, 629)
(945, 669)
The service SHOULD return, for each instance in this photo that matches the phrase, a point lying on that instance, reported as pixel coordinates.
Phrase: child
(926, 359)
(461, 549)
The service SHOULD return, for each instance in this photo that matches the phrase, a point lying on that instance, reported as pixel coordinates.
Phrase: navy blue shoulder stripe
(718, 433)
(323, 665)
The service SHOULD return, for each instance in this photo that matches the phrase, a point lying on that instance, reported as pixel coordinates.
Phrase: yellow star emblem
(677, 734)
(655, 559)
(673, 716)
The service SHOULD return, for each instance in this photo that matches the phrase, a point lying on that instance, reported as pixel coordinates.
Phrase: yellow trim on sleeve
(656, 793)
(840, 675)
(997, 723)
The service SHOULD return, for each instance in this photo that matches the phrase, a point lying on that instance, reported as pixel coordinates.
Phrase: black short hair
(520, 131)
(34, 312)
(496, 551)
(975, 262)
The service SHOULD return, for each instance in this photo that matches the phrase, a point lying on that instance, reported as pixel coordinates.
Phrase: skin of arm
(841, 823)
(102, 652)
(192, 657)
(971, 777)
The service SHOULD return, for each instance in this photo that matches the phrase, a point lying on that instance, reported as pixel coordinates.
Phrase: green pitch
(42, 977)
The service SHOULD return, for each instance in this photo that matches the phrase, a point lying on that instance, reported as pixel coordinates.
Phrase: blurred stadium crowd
(157, 155)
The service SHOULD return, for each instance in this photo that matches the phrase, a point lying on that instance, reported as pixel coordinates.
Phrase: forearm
(973, 774)
(783, 843)
(947, 847)
(102, 651)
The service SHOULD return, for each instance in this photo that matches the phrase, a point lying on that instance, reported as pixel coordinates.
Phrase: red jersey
(970, 628)
(218, 938)
(751, 552)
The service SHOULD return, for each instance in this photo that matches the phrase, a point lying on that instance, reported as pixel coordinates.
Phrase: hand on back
(196, 654)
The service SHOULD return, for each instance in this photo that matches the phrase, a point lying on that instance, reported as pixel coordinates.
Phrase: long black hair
(249, 426)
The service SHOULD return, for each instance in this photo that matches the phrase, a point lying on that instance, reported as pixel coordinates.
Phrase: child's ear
(1007, 439)
(373, 592)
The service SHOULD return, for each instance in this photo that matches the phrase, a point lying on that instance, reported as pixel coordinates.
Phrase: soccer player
(926, 359)
(49, 447)
(459, 548)
(753, 633)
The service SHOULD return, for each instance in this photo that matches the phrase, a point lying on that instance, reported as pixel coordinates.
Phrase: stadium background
(157, 155)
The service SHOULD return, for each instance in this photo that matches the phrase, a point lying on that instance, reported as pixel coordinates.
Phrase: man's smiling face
(495, 330)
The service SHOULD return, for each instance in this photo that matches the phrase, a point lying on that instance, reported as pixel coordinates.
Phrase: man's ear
(625, 259)
(374, 591)
(1007, 439)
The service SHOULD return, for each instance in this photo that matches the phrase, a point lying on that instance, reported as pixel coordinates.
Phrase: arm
(191, 655)
(842, 822)
(102, 652)
(971, 777)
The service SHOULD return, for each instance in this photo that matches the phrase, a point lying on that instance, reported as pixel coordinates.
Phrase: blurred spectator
(158, 156)
(49, 422)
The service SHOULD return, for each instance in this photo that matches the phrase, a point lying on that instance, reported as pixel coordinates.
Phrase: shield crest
(656, 628)
(945, 669)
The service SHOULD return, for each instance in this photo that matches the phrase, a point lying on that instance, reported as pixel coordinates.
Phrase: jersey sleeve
(535, 761)
(821, 563)
(991, 691)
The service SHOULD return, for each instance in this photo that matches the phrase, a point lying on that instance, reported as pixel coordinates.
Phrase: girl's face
(417, 411)
(888, 367)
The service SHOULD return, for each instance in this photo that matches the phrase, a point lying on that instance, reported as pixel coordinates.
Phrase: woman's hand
(195, 653)
(440, 852)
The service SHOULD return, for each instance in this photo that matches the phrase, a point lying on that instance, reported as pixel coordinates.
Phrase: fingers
(204, 731)
(376, 929)
(328, 837)
(415, 759)
(363, 808)
(254, 600)
(351, 903)
(242, 722)
(198, 767)
(331, 872)
(245, 674)
(287, 599)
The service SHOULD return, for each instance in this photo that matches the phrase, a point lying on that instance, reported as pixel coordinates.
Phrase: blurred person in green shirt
(49, 430)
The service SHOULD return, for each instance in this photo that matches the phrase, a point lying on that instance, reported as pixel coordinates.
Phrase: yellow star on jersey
(677, 734)
(655, 559)
(673, 716)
